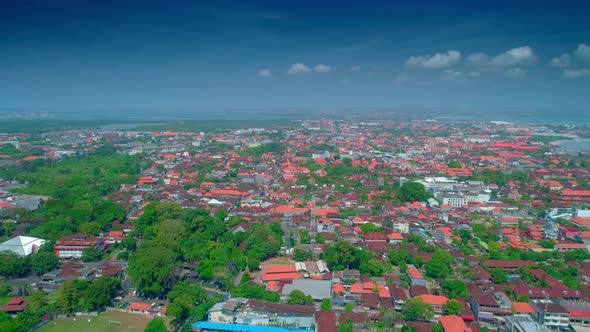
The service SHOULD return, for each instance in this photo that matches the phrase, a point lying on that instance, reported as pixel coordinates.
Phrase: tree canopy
(298, 297)
(415, 309)
(413, 192)
(44, 262)
(151, 268)
(439, 266)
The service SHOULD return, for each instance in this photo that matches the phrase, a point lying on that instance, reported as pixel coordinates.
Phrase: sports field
(109, 321)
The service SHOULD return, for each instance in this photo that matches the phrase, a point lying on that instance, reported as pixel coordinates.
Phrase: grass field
(129, 323)
(4, 300)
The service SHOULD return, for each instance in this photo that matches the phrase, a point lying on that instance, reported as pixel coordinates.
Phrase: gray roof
(317, 289)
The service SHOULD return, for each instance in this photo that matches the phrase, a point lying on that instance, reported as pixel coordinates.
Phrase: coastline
(573, 145)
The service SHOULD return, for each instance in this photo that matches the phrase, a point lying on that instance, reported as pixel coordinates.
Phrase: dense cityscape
(326, 225)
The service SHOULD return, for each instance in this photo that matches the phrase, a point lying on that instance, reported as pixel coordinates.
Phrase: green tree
(370, 228)
(90, 254)
(150, 268)
(37, 300)
(342, 256)
(439, 266)
(372, 267)
(348, 308)
(454, 164)
(319, 238)
(499, 276)
(547, 244)
(438, 328)
(43, 262)
(407, 328)
(12, 265)
(100, 292)
(68, 296)
(255, 292)
(453, 307)
(298, 297)
(326, 305)
(415, 309)
(301, 255)
(305, 238)
(455, 288)
(93, 228)
(156, 325)
(413, 192)
(183, 298)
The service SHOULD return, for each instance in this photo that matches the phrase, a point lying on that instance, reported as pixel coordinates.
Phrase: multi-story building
(71, 246)
(551, 314)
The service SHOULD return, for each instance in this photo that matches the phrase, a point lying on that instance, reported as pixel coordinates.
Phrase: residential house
(416, 277)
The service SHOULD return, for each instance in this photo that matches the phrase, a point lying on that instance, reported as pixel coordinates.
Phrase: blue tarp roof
(243, 328)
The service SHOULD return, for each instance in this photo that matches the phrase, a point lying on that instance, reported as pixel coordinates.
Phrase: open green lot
(110, 321)
(4, 300)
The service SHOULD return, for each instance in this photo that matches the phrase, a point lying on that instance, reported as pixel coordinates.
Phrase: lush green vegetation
(298, 297)
(498, 177)
(80, 295)
(416, 310)
(76, 188)
(264, 148)
(413, 192)
(171, 235)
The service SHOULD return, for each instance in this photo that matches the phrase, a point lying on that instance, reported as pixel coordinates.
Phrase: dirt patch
(277, 261)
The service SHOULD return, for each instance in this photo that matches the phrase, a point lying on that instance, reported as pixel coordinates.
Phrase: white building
(22, 245)
(456, 200)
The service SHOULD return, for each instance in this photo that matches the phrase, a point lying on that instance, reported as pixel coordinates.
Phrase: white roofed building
(22, 245)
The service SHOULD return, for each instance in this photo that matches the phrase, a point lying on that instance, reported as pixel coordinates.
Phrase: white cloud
(355, 68)
(321, 68)
(562, 61)
(264, 72)
(582, 53)
(518, 56)
(515, 73)
(298, 68)
(575, 73)
(576, 64)
(435, 61)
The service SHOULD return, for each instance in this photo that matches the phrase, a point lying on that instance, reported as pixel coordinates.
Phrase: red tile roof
(414, 273)
(452, 323)
(138, 306)
(16, 304)
(435, 300)
(522, 308)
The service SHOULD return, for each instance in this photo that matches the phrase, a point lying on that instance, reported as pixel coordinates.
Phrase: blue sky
(203, 55)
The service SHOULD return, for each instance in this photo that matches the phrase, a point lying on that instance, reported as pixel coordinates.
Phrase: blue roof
(243, 328)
